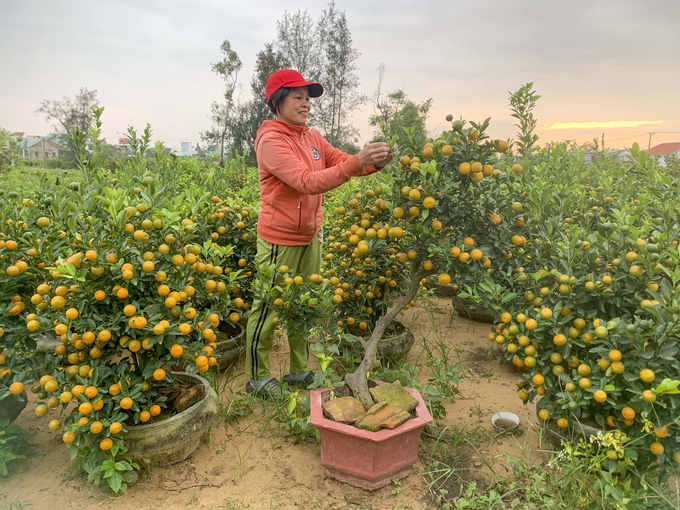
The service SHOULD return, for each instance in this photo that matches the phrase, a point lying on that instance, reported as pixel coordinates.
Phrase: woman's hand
(386, 161)
(375, 154)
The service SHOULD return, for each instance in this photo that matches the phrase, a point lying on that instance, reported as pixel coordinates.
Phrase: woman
(296, 166)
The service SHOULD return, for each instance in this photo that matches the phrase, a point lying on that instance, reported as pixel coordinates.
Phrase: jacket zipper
(299, 213)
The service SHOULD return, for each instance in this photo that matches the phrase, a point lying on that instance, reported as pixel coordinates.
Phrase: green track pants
(303, 260)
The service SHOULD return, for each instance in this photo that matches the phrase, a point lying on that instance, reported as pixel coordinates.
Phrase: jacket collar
(284, 127)
(269, 126)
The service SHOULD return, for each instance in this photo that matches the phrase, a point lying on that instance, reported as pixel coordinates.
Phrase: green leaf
(116, 481)
(123, 466)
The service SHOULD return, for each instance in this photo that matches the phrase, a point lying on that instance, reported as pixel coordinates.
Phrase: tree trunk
(358, 381)
(222, 153)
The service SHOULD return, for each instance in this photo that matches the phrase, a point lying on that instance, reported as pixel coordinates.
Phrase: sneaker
(305, 378)
(269, 389)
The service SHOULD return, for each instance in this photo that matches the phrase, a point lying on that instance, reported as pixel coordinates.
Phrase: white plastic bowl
(504, 415)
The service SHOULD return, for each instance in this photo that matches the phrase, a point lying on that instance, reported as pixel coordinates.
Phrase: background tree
(221, 112)
(298, 44)
(69, 113)
(397, 111)
(340, 80)
(8, 148)
(249, 115)
(323, 52)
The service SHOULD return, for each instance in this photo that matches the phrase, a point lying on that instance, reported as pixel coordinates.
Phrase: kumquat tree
(387, 241)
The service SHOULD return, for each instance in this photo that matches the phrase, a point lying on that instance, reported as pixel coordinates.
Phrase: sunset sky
(608, 67)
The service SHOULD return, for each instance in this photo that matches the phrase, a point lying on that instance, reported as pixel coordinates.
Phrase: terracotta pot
(392, 350)
(231, 343)
(173, 440)
(471, 310)
(366, 459)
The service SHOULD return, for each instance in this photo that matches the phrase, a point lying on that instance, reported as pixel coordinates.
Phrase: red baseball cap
(290, 78)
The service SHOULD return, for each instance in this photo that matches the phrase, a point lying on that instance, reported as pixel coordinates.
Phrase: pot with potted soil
(470, 310)
(369, 449)
(175, 435)
(231, 343)
(447, 290)
(578, 429)
(393, 347)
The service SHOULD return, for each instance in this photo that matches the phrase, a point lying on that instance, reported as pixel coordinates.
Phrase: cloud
(609, 124)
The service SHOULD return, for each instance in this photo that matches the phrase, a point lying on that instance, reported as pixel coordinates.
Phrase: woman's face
(295, 108)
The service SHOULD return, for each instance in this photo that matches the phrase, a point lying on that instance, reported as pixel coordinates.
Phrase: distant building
(665, 149)
(122, 145)
(24, 140)
(621, 155)
(185, 149)
(40, 147)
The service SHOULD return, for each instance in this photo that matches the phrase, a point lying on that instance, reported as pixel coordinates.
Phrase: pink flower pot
(366, 459)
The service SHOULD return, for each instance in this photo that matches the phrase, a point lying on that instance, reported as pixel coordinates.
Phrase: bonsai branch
(358, 380)
(359, 339)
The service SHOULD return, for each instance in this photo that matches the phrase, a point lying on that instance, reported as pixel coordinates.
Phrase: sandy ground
(253, 463)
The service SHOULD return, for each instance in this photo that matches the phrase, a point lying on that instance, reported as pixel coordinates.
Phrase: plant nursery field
(125, 289)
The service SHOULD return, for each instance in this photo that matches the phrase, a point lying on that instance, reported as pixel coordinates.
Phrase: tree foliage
(221, 111)
(321, 51)
(249, 115)
(8, 148)
(70, 113)
(338, 74)
(298, 44)
(397, 111)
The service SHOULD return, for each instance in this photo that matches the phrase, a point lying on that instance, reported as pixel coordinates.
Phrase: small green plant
(573, 480)
(396, 486)
(327, 375)
(115, 474)
(14, 448)
(12, 505)
(242, 459)
(234, 504)
(298, 419)
(472, 499)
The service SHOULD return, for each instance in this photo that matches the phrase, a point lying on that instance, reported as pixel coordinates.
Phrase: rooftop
(665, 148)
